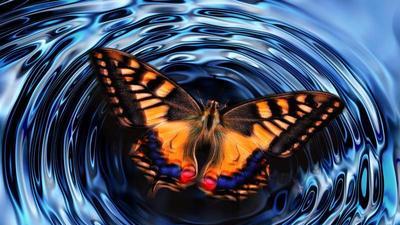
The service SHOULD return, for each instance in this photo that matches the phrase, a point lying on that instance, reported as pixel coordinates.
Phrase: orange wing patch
(235, 150)
(147, 77)
(262, 136)
(149, 102)
(164, 89)
(175, 142)
(283, 104)
(263, 109)
(125, 71)
(155, 115)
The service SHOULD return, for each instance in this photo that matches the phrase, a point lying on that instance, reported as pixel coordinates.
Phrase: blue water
(64, 160)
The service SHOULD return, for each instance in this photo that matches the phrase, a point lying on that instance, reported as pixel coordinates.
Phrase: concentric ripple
(64, 159)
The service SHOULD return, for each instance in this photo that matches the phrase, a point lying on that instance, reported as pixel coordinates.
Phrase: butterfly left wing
(141, 96)
(276, 125)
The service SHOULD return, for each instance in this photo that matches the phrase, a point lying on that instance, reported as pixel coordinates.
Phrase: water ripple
(64, 160)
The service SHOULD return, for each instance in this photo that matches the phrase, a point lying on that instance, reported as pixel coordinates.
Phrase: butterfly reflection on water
(240, 138)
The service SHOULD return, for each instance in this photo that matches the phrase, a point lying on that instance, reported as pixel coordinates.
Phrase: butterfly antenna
(220, 93)
(225, 104)
(201, 100)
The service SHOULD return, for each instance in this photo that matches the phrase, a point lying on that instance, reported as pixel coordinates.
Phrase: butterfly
(239, 139)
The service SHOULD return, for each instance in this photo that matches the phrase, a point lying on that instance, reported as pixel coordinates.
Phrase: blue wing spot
(152, 150)
(225, 182)
(170, 170)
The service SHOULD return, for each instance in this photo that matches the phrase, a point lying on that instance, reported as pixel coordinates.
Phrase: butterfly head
(212, 106)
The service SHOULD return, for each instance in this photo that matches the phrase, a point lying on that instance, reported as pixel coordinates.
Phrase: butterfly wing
(143, 97)
(166, 154)
(276, 125)
(140, 95)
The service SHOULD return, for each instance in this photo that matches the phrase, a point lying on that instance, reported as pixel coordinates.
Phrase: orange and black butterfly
(240, 138)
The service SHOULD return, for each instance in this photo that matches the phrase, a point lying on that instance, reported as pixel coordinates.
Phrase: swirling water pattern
(63, 159)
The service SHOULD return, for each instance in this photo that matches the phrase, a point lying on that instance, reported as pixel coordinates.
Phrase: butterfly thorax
(210, 118)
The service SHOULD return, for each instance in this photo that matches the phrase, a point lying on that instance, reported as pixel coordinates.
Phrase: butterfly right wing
(276, 125)
(143, 97)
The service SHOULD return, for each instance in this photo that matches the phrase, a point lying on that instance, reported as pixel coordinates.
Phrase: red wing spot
(208, 183)
(188, 175)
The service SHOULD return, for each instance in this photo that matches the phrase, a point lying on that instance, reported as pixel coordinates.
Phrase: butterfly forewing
(282, 123)
(140, 95)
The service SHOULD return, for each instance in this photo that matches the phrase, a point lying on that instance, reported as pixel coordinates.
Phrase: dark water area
(64, 160)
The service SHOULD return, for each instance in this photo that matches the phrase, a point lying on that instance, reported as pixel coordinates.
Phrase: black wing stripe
(291, 117)
(299, 133)
(140, 95)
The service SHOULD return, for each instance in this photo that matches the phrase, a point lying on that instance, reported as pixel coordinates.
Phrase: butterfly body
(236, 140)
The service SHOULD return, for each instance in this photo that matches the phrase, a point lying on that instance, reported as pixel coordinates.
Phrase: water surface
(64, 159)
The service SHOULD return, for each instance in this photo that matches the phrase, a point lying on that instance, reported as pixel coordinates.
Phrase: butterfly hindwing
(143, 97)
(276, 126)
(166, 154)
